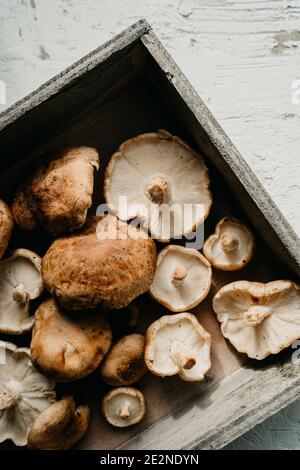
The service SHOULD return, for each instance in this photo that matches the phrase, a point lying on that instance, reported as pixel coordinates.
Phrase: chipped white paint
(242, 56)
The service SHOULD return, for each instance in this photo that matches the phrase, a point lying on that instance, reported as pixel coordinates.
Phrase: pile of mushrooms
(80, 296)
(6, 226)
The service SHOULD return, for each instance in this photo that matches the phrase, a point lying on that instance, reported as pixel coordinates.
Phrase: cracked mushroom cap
(24, 393)
(107, 265)
(124, 406)
(178, 344)
(65, 346)
(259, 319)
(124, 364)
(58, 194)
(21, 282)
(162, 172)
(231, 247)
(182, 278)
(6, 226)
(59, 426)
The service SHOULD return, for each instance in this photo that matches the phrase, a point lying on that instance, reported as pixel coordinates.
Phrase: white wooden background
(242, 56)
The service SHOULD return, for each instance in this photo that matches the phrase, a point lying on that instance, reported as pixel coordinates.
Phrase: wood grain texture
(251, 56)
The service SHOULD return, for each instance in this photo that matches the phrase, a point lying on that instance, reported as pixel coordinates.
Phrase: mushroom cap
(178, 344)
(65, 346)
(124, 364)
(6, 226)
(231, 247)
(182, 278)
(93, 269)
(24, 393)
(124, 406)
(259, 319)
(59, 426)
(162, 172)
(58, 194)
(21, 281)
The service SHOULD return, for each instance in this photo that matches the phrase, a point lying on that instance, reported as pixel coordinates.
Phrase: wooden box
(128, 86)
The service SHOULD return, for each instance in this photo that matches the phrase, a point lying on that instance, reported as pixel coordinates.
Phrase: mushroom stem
(158, 191)
(256, 315)
(190, 362)
(20, 295)
(178, 276)
(124, 411)
(182, 358)
(228, 242)
(10, 395)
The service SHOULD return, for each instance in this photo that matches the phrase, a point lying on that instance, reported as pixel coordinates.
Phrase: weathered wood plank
(225, 411)
(242, 56)
(63, 79)
(284, 381)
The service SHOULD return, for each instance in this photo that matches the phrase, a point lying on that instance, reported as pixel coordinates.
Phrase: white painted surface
(242, 56)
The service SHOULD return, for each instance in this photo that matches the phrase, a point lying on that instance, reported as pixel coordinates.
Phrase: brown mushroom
(107, 265)
(65, 346)
(124, 406)
(59, 426)
(58, 194)
(6, 226)
(124, 364)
